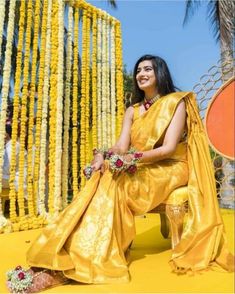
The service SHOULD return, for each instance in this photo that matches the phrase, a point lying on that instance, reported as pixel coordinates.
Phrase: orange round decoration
(219, 120)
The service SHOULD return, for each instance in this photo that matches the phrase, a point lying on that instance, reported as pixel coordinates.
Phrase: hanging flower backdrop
(68, 99)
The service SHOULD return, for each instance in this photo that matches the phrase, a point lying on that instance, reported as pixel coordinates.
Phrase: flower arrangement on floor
(20, 280)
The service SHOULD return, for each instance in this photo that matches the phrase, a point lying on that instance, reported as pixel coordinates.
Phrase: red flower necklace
(148, 103)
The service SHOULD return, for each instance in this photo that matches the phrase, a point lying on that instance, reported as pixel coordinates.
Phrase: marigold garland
(40, 201)
(113, 84)
(99, 77)
(6, 82)
(106, 53)
(16, 102)
(2, 17)
(65, 154)
(119, 77)
(53, 105)
(59, 115)
(5, 224)
(87, 103)
(107, 66)
(5, 88)
(31, 146)
(94, 79)
(75, 106)
(44, 125)
(24, 101)
(83, 101)
(104, 85)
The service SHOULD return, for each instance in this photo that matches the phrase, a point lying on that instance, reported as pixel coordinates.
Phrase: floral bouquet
(118, 163)
(88, 171)
(19, 280)
(31, 280)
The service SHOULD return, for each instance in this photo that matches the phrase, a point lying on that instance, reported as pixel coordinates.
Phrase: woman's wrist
(126, 163)
(99, 152)
(117, 162)
(98, 157)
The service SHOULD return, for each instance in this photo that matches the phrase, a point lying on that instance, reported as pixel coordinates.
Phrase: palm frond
(221, 14)
(113, 3)
(213, 13)
(190, 9)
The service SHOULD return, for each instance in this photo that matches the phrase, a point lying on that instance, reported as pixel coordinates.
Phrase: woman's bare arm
(122, 145)
(123, 142)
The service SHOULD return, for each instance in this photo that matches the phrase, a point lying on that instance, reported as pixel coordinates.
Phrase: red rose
(119, 163)
(21, 275)
(132, 169)
(138, 155)
(18, 268)
(109, 154)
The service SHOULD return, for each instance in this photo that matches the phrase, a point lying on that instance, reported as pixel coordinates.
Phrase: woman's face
(145, 76)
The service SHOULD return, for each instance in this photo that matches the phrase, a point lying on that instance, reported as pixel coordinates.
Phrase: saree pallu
(89, 239)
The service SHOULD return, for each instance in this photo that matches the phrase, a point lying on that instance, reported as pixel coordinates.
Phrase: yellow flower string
(104, 85)
(83, 101)
(45, 104)
(94, 79)
(87, 103)
(2, 17)
(59, 114)
(99, 77)
(29, 221)
(41, 201)
(53, 105)
(14, 135)
(103, 95)
(65, 153)
(30, 149)
(107, 68)
(119, 77)
(6, 83)
(113, 84)
(5, 89)
(75, 106)
(22, 159)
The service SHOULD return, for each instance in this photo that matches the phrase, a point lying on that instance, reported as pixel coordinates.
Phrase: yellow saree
(89, 239)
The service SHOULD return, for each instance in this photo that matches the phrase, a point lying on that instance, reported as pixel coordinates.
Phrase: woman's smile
(145, 75)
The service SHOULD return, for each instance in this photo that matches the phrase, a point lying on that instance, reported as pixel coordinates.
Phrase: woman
(89, 239)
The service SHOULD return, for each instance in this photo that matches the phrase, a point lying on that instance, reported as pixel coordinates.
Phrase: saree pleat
(89, 239)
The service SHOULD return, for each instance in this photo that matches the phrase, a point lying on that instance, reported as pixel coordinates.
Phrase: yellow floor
(149, 267)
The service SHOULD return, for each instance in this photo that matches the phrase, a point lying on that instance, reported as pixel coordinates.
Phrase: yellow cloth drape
(89, 239)
(203, 242)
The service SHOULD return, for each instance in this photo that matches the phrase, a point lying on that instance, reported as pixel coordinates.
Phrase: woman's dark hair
(164, 81)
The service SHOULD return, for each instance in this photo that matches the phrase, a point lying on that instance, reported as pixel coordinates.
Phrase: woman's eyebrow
(144, 67)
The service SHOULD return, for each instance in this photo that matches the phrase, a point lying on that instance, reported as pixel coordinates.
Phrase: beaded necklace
(148, 103)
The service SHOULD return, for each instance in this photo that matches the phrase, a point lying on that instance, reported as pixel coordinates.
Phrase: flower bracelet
(117, 163)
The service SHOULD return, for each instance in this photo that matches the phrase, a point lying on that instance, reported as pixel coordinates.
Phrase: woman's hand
(98, 162)
(128, 157)
(116, 150)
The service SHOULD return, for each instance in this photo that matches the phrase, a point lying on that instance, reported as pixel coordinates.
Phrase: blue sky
(156, 27)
